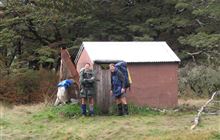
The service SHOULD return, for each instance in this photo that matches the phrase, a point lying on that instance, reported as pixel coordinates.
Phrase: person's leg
(123, 100)
(57, 102)
(91, 106)
(125, 106)
(119, 104)
(59, 94)
(83, 106)
(63, 96)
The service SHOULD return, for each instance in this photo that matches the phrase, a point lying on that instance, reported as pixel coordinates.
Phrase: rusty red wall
(83, 59)
(154, 84)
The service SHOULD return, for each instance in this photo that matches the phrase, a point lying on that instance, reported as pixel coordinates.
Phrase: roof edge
(79, 53)
(115, 61)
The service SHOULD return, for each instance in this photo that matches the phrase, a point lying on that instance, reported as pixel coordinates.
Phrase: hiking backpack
(122, 66)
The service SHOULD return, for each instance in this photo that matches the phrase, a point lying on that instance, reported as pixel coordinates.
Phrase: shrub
(65, 111)
(27, 82)
(28, 86)
(201, 81)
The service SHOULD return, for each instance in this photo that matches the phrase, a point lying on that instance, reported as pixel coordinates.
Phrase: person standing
(118, 89)
(87, 89)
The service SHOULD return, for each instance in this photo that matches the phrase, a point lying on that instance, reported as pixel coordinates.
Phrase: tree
(32, 31)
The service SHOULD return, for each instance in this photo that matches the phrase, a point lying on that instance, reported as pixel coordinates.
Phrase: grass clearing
(65, 123)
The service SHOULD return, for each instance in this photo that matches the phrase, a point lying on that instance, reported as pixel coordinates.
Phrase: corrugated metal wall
(154, 84)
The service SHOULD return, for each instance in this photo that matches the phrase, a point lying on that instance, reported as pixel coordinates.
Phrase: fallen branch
(213, 113)
(193, 54)
(197, 118)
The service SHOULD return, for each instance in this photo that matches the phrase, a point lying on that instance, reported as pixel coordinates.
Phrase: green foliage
(4, 122)
(143, 38)
(209, 8)
(8, 37)
(216, 136)
(182, 5)
(202, 40)
(32, 32)
(34, 25)
(46, 55)
(202, 81)
(27, 82)
(180, 22)
(68, 111)
(28, 86)
(54, 113)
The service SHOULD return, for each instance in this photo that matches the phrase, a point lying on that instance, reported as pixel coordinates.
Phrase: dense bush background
(199, 81)
(32, 32)
(30, 86)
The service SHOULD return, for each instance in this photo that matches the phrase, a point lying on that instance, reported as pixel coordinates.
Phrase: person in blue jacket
(62, 91)
(118, 89)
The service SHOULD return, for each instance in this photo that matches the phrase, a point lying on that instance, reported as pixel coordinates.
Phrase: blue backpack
(122, 66)
(65, 83)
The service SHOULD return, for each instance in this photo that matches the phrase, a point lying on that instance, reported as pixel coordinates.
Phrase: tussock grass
(65, 123)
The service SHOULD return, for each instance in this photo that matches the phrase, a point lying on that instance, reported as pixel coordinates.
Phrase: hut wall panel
(83, 59)
(154, 84)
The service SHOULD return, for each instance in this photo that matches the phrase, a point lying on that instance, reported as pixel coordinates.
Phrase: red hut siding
(83, 59)
(154, 84)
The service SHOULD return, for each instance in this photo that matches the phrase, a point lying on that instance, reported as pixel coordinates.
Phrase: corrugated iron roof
(129, 51)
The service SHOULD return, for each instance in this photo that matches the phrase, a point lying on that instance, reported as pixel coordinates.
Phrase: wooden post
(103, 97)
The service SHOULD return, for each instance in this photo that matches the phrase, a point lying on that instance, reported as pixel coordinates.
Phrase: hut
(153, 68)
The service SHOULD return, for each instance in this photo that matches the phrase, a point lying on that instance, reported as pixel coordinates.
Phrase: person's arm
(121, 78)
(111, 83)
(92, 79)
(111, 91)
(81, 79)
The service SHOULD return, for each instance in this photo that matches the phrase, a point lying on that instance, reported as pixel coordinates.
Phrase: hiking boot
(83, 108)
(125, 108)
(91, 113)
(120, 110)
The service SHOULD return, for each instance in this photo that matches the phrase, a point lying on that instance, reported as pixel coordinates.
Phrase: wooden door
(103, 87)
